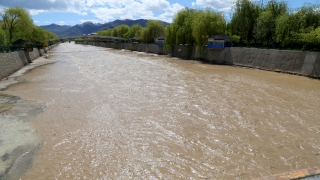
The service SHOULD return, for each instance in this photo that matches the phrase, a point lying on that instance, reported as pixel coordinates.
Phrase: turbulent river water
(100, 113)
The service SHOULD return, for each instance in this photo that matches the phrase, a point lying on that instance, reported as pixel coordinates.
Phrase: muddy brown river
(100, 113)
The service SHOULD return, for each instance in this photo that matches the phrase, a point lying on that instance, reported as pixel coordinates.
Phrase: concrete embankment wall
(293, 62)
(13, 61)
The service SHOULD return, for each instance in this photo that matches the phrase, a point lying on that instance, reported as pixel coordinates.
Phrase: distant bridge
(98, 38)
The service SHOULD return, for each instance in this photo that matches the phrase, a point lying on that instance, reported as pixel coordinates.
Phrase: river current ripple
(113, 114)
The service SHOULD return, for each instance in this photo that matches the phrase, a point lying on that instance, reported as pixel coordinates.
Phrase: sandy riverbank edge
(23, 155)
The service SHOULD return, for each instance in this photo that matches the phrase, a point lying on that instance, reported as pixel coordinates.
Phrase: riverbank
(40, 61)
(292, 62)
(13, 61)
(19, 143)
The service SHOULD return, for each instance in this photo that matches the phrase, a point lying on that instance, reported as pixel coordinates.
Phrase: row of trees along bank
(275, 22)
(146, 34)
(16, 23)
(272, 25)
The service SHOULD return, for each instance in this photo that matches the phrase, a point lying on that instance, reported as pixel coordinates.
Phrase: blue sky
(71, 12)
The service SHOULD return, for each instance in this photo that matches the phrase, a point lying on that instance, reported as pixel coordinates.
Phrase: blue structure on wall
(160, 41)
(219, 41)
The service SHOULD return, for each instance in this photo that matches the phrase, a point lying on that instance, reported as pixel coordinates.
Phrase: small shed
(160, 40)
(119, 40)
(219, 41)
(134, 40)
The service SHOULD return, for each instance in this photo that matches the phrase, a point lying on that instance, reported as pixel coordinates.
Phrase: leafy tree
(108, 32)
(283, 26)
(17, 23)
(192, 26)
(134, 31)
(266, 21)
(244, 19)
(205, 24)
(180, 31)
(3, 37)
(170, 40)
(153, 30)
(144, 34)
(299, 25)
(40, 35)
(121, 30)
(184, 25)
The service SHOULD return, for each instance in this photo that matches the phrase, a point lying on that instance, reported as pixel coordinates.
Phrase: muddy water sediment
(121, 115)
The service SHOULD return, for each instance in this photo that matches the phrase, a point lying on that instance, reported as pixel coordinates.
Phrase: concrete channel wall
(293, 62)
(13, 61)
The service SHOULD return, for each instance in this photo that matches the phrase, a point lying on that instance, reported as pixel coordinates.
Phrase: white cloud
(129, 9)
(155, 5)
(61, 23)
(35, 12)
(220, 5)
(105, 10)
(170, 12)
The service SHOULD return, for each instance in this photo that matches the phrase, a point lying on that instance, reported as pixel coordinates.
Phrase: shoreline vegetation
(252, 24)
(16, 24)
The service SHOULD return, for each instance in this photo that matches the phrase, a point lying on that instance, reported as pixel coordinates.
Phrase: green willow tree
(148, 34)
(299, 26)
(121, 30)
(3, 38)
(134, 32)
(181, 30)
(266, 21)
(41, 35)
(108, 32)
(153, 30)
(244, 19)
(283, 28)
(205, 24)
(192, 26)
(17, 23)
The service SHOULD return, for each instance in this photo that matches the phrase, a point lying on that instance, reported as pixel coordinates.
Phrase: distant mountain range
(90, 27)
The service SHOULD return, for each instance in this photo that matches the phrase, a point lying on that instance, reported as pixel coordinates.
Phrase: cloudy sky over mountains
(73, 12)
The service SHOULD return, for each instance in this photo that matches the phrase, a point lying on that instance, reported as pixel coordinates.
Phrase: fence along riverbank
(286, 61)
